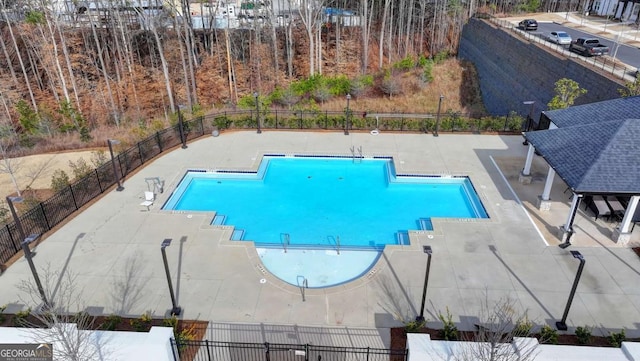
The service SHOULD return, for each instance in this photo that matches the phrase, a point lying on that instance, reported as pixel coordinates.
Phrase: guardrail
(217, 350)
(605, 64)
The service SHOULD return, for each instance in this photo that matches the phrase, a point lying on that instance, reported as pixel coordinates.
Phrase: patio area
(589, 231)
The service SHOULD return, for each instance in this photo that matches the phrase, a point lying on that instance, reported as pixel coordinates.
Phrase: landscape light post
(255, 96)
(435, 133)
(527, 126)
(561, 325)
(24, 243)
(175, 309)
(427, 250)
(113, 162)
(346, 123)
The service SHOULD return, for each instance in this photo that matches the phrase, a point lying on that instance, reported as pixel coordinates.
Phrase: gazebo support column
(566, 231)
(525, 175)
(622, 233)
(544, 202)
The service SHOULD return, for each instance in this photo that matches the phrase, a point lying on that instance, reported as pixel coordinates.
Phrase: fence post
(159, 141)
(276, 118)
(201, 125)
(368, 348)
(140, 152)
(306, 352)
(208, 349)
(73, 196)
(13, 242)
(174, 346)
(326, 120)
(300, 120)
(506, 120)
(98, 178)
(266, 347)
(120, 167)
(44, 215)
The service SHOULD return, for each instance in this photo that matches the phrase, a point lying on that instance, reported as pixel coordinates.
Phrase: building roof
(596, 158)
(615, 109)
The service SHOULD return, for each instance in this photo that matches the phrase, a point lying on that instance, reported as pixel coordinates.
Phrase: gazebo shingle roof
(594, 158)
(604, 111)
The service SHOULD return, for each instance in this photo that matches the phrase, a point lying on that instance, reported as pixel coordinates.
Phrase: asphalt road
(625, 53)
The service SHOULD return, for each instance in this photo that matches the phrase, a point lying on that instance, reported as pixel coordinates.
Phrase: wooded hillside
(61, 76)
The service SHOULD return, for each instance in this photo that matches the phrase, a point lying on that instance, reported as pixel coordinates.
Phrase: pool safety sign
(26, 352)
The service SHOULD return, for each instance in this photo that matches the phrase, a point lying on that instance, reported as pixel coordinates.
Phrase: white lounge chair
(149, 197)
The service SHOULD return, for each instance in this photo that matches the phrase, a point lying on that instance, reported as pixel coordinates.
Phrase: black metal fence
(240, 351)
(49, 213)
(447, 121)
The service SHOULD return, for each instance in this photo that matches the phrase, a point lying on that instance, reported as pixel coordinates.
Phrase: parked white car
(559, 37)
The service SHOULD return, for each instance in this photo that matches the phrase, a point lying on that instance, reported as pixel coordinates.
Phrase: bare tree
(8, 165)
(498, 335)
(62, 322)
(310, 15)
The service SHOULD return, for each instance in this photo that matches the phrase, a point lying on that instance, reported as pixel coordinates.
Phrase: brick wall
(512, 70)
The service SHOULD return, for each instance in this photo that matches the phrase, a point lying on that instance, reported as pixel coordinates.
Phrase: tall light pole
(256, 96)
(175, 309)
(110, 142)
(346, 123)
(427, 250)
(24, 243)
(527, 126)
(435, 133)
(561, 325)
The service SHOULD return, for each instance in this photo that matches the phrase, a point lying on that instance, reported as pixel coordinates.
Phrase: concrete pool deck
(113, 248)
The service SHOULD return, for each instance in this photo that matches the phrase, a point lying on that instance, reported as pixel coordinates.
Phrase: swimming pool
(324, 203)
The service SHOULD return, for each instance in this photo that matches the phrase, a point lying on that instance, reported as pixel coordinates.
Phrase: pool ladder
(359, 156)
(286, 241)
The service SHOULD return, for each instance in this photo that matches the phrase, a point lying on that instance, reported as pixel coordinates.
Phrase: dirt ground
(27, 167)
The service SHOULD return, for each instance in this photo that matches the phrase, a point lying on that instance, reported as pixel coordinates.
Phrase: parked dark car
(528, 24)
(588, 47)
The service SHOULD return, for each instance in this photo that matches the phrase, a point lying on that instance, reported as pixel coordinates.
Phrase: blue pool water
(323, 202)
(333, 215)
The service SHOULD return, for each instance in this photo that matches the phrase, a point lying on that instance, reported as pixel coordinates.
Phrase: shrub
(339, 85)
(80, 168)
(441, 57)
(171, 322)
(142, 323)
(584, 335)
(414, 326)
(548, 335)
(184, 335)
(427, 71)
(20, 318)
(616, 338)
(405, 64)
(449, 330)
(523, 327)
(59, 180)
(111, 322)
(390, 86)
(2, 316)
(98, 158)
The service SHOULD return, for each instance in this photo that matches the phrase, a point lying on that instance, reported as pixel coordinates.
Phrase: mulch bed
(196, 329)
(399, 338)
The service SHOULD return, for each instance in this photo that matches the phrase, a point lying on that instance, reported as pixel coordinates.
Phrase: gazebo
(594, 149)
